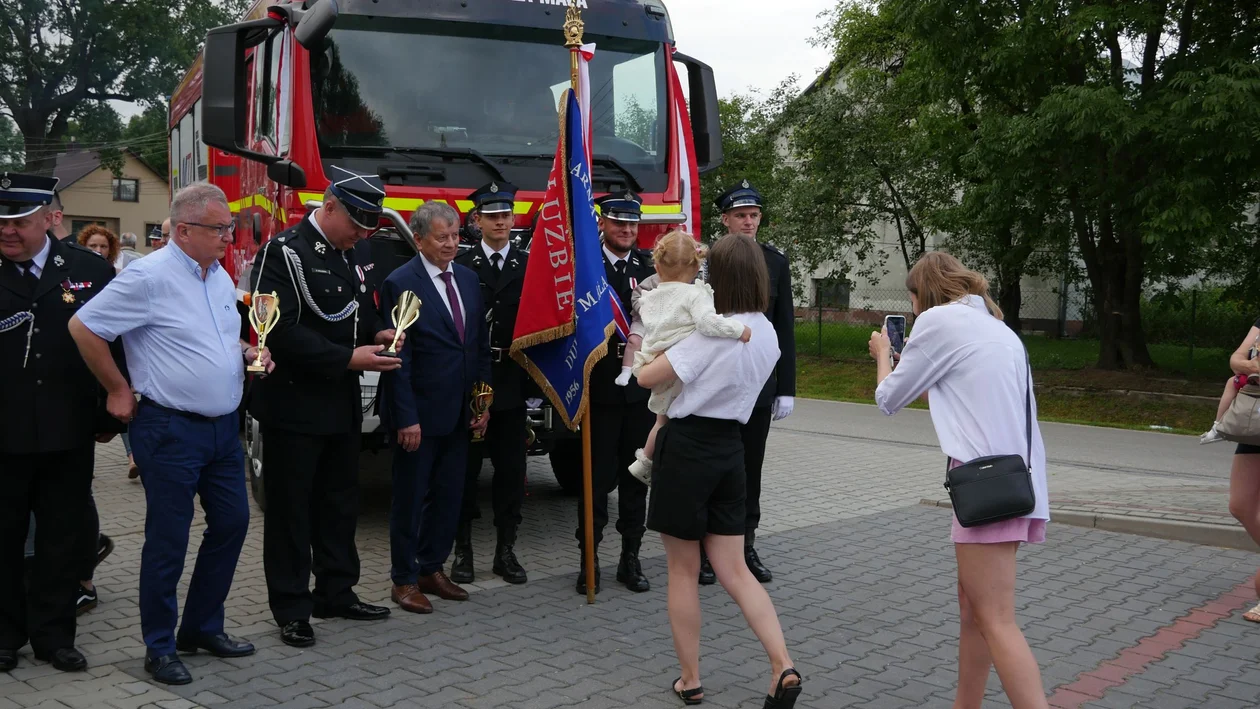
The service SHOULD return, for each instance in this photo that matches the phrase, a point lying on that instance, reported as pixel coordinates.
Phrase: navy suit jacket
(434, 385)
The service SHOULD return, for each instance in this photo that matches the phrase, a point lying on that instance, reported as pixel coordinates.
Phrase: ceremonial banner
(566, 311)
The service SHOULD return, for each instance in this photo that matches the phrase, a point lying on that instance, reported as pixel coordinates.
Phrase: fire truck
(437, 97)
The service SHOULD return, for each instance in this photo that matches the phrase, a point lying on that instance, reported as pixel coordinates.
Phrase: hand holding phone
(895, 327)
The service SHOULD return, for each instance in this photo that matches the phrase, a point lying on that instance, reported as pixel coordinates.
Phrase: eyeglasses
(221, 229)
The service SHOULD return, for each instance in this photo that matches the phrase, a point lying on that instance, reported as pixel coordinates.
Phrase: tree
(1150, 163)
(147, 135)
(65, 58)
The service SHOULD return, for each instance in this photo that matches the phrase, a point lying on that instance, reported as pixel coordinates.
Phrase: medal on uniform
(67, 296)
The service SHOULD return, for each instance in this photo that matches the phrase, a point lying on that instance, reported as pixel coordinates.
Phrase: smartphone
(896, 327)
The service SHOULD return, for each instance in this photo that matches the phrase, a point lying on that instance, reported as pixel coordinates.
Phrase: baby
(1227, 397)
(664, 313)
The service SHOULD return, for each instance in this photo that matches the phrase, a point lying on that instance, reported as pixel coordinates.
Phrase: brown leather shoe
(438, 583)
(410, 599)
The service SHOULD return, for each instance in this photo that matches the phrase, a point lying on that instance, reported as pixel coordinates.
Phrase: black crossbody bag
(995, 487)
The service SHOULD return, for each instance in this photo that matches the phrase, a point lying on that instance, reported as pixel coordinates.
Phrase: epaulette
(772, 248)
(76, 246)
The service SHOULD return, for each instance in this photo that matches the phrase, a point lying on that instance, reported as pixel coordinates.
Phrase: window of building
(126, 190)
(831, 293)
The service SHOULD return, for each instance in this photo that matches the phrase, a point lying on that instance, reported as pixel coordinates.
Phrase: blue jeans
(127, 442)
(180, 457)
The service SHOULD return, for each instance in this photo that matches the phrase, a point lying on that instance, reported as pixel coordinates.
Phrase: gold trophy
(264, 313)
(482, 398)
(405, 314)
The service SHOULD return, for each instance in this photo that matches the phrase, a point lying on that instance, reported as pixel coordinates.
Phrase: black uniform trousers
(312, 488)
(616, 432)
(754, 434)
(55, 487)
(505, 445)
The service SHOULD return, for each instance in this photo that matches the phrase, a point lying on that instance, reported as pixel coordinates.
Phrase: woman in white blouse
(974, 370)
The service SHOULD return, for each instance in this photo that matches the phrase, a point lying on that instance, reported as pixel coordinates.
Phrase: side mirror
(224, 100)
(316, 23)
(287, 173)
(706, 128)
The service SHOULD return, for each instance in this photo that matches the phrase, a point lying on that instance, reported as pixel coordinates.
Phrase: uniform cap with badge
(495, 198)
(624, 206)
(22, 195)
(363, 196)
(739, 195)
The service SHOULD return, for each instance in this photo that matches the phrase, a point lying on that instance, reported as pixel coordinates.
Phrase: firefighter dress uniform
(51, 408)
(311, 414)
(620, 419)
(502, 276)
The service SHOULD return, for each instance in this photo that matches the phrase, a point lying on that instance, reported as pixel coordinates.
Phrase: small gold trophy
(405, 314)
(264, 313)
(482, 398)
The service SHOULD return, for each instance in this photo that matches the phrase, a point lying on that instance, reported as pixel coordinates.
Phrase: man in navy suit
(445, 353)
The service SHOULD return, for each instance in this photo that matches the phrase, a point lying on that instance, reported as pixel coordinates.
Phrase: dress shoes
(167, 669)
(8, 660)
(409, 598)
(66, 659)
(758, 569)
(354, 611)
(441, 586)
(462, 564)
(629, 571)
(219, 645)
(297, 633)
(104, 547)
(707, 577)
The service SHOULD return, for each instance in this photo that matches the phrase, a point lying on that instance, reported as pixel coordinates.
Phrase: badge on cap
(494, 187)
(745, 185)
(6, 183)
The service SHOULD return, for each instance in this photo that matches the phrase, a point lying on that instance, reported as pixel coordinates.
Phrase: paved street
(864, 584)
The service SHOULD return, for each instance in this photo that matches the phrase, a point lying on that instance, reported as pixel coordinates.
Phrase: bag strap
(1028, 405)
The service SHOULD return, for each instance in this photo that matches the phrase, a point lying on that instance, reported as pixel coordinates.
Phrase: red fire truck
(437, 97)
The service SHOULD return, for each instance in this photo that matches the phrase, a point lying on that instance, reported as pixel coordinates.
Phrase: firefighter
(501, 267)
(310, 407)
(741, 207)
(49, 405)
(620, 420)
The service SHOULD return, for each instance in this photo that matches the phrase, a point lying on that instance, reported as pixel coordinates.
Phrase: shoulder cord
(294, 264)
(15, 321)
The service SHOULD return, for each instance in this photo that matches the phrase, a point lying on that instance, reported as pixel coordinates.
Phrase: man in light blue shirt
(176, 314)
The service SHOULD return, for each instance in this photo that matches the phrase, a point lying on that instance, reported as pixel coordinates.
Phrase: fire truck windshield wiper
(604, 160)
(467, 153)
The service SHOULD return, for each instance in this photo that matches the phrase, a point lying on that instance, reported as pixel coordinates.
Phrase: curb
(1215, 535)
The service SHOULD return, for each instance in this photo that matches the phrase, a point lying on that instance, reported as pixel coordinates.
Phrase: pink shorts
(1020, 529)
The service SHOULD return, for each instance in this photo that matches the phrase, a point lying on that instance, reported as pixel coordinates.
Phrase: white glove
(623, 379)
(782, 408)
(533, 403)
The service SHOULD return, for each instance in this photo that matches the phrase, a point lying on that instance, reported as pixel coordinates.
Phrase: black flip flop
(785, 697)
(687, 695)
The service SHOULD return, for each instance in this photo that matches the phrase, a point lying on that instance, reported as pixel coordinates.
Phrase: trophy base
(478, 438)
(256, 369)
(387, 353)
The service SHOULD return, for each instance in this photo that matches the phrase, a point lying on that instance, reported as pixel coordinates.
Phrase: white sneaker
(641, 468)
(1212, 436)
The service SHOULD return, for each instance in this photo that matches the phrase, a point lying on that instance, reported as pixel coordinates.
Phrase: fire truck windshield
(492, 89)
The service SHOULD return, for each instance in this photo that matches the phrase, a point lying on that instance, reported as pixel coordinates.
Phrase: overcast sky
(751, 43)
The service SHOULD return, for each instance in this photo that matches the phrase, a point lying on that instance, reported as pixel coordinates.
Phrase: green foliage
(12, 156)
(146, 134)
(63, 60)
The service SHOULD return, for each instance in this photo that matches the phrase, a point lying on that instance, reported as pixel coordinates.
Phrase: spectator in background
(158, 239)
(127, 252)
(100, 239)
(58, 230)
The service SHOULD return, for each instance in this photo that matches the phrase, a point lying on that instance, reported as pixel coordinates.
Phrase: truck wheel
(566, 465)
(254, 460)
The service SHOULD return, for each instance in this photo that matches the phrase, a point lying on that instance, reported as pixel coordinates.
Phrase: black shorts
(1246, 449)
(697, 479)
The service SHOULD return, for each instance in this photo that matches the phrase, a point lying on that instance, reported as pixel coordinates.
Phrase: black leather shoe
(462, 564)
(707, 577)
(505, 563)
(758, 569)
(218, 645)
(8, 660)
(66, 659)
(580, 586)
(104, 547)
(167, 669)
(629, 571)
(297, 633)
(354, 611)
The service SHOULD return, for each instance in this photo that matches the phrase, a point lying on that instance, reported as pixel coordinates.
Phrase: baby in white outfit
(666, 309)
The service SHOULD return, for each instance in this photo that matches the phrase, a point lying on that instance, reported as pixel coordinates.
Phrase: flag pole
(573, 30)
